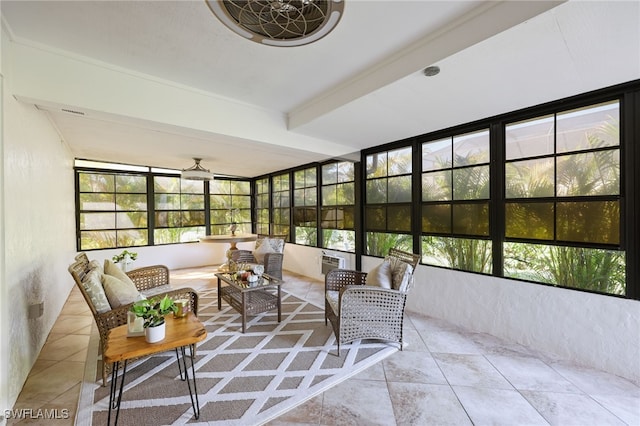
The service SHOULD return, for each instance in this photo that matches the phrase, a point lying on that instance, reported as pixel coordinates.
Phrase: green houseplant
(123, 256)
(153, 312)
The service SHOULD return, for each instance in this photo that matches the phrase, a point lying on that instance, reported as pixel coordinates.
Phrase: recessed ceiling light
(431, 71)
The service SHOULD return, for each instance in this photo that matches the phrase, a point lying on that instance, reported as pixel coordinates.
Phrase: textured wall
(39, 228)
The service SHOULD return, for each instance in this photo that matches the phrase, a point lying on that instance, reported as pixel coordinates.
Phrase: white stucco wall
(598, 331)
(38, 225)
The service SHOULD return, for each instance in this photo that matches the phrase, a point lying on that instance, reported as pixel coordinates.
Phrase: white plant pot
(155, 334)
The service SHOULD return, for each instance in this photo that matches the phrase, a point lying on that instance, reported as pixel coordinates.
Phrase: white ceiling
(360, 86)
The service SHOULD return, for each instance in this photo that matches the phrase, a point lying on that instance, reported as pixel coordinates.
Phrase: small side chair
(357, 310)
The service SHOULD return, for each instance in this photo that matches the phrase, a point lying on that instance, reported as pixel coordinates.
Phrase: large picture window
(456, 202)
(305, 206)
(388, 196)
(262, 206)
(281, 204)
(562, 199)
(179, 210)
(230, 202)
(112, 210)
(338, 206)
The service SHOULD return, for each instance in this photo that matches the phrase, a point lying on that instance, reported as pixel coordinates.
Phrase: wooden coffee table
(250, 298)
(181, 332)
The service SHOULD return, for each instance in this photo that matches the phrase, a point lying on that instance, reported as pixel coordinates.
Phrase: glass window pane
(131, 183)
(96, 182)
(97, 201)
(298, 179)
(377, 165)
(530, 138)
(191, 186)
(240, 187)
(399, 189)
(218, 186)
(471, 219)
(167, 202)
(399, 218)
(310, 197)
(529, 178)
(131, 202)
(218, 202)
(376, 218)
(167, 219)
(298, 197)
(459, 253)
(529, 220)
(97, 239)
(192, 218)
(306, 235)
(576, 267)
(436, 186)
(329, 218)
(400, 161)
(335, 239)
(379, 243)
(472, 148)
(591, 173)
(310, 177)
(97, 221)
(219, 216)
(133, 237)
(131, 220)
(376, 191)
(346, 171)
(192, 202)
(241, 202)
(589, 222)
(329, 195)
(329, 173)
(471, 183)
(591, 127)
(346, 193)
(436, 155)
(165, 184)
(436, 218)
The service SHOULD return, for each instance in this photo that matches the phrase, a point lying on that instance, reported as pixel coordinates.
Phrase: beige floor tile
(50, 383)
(62, 348)
(71, 324)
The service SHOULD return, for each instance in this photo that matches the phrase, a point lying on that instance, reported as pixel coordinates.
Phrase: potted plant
(153, 312)
(124, 259)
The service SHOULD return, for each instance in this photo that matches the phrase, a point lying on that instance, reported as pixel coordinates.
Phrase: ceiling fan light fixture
(283, 23)
(196, 172)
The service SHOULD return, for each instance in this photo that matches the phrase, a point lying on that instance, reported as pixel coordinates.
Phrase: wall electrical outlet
(36, 310)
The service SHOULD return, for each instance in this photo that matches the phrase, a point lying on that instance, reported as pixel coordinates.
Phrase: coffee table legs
(114, 401)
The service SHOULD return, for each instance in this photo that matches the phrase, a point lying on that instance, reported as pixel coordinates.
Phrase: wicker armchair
(146, 279)
(359, 311)
(272, 261)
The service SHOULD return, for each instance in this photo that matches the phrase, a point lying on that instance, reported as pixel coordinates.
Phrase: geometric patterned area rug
(243, 379)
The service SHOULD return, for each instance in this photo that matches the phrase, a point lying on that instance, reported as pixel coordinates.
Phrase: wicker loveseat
(150, 281)
(269, 252)
(358, 310)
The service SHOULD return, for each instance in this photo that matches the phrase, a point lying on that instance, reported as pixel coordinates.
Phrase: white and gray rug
(242, 379)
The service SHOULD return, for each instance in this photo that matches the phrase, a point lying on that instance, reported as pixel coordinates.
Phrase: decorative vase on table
(155, 334)
(232, 228)
(124, 264)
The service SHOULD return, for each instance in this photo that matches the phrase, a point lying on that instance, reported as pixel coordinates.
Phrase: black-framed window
(455, 191)
(563, 199)
(281, 204)
(112, 210)
(262, 205)
(305, 206)
(179, 210)
(388, 197)
(230, 203)
(338, 200)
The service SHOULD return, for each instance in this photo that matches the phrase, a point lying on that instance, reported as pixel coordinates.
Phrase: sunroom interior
(347, 146)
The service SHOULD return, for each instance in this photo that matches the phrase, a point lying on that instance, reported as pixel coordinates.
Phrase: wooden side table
(250, 298)
(180, 333)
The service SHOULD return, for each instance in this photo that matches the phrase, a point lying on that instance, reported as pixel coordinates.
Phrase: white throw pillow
(93, 286)
(261, 249)
(380, 275)
(114, 270)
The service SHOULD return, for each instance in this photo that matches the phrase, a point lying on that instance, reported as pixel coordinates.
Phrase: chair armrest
(337, 279)
(243, 256)
(371, 302)
(149, 277)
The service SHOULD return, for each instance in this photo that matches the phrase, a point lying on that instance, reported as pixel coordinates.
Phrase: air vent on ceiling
(70, 111)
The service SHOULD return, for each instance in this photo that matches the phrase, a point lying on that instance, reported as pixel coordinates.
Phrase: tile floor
(445, 375)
